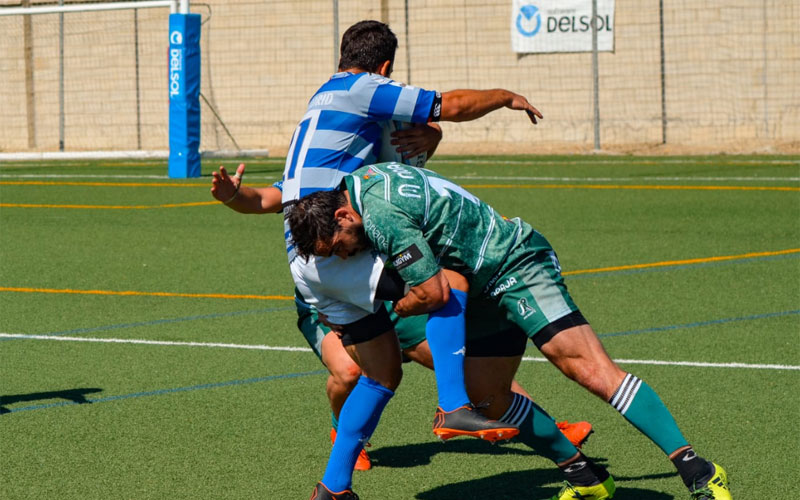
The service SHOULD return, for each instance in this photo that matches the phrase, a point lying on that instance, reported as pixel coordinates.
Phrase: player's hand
(421, 138)
(521, 103)
(223, 186)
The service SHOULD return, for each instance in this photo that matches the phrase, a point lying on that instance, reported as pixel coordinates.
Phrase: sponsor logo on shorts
(502, 287)
(406, 257)
(524, 309)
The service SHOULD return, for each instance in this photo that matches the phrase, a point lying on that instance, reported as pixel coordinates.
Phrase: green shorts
(410, 331)
(529, 290)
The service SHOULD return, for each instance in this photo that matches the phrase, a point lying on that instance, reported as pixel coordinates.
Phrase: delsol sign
(175, 61)
(540, 26)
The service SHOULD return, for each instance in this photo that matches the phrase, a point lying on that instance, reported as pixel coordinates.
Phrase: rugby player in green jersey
(427, 224)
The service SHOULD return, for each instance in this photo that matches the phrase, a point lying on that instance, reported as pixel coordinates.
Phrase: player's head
(367, 45)
(324, 223)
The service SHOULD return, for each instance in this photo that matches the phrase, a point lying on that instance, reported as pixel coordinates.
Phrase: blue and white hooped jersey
(342, 128)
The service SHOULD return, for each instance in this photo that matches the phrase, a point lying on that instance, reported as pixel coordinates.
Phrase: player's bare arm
(432, 294)
(428, 296)
(466, 104)
(247, 200)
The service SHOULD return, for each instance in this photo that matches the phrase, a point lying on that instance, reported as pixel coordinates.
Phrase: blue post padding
(184, 95)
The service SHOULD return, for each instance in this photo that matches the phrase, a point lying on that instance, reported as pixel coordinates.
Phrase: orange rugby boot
(362, 462)
(576, 432)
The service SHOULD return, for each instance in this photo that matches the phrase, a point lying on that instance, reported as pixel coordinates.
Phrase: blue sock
(334, 422)
(445, 332)
(357, 421)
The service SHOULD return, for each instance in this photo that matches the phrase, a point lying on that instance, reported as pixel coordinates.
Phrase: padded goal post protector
(184, 95)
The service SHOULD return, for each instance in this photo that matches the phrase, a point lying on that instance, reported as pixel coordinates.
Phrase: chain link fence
(717, 76)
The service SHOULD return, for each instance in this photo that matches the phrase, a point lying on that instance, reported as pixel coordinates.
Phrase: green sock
(334, 421)
(538, 430)
(642, 407)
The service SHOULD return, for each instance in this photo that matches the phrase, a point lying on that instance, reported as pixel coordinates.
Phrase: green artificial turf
(673, 259)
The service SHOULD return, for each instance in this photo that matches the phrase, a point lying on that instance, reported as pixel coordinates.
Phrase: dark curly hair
(366, 45)
(312, 219)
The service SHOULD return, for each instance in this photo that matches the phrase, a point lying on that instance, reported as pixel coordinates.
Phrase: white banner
(560, 26)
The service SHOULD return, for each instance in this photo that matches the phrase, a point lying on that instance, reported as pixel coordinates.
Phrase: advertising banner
(184, 95)
(541, 26)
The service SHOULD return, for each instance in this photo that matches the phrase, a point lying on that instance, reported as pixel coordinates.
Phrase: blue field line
(164, 321)
(680, 267)
(699, 323)
(169, 391)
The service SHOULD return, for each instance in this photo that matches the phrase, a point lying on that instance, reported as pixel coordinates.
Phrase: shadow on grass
(77, 396)
(662, 475)
(535, 483)
(413, 455)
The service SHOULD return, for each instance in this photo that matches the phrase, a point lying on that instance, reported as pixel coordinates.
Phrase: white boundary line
(594, 160)
(617, 179)
(690, 363)
(455, 177)
(123, 155)
(306, 349)
(154, 342)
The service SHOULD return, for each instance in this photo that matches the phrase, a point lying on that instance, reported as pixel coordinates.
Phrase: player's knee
(393, 381)
(346, 374)
(388, 376)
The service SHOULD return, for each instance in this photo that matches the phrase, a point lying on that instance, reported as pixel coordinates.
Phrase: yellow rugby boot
(716, 488)
(602, 491)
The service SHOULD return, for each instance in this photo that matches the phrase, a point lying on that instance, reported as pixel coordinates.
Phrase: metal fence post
(595, 78)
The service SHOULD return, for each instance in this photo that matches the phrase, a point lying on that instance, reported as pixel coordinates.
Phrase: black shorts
(511, 340)
(367, 328)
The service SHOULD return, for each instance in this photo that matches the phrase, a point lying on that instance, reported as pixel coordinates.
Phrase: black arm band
(390, 286)
(436, 108)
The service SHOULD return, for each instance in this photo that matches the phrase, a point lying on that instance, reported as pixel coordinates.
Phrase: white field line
(454, 177)
(306, 349)
(154, 342)
(691, 363)
(594, 160)
(617, 179)
(580, 160)
(81, 176)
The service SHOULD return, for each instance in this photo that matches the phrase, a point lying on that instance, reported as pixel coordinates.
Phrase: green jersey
(425, 222)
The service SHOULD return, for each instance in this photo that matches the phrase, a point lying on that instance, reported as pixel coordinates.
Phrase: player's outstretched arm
(247, 200)
(466, 104)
